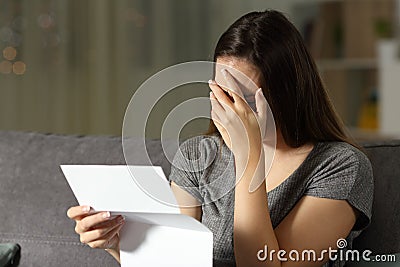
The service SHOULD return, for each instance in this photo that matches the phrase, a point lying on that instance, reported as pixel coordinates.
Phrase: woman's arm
(315, 224)
(187, 203)
(252, 228)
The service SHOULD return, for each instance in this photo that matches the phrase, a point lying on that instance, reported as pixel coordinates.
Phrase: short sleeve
(187, 167)
(346, 174)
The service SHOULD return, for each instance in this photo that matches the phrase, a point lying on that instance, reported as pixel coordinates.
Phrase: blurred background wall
(71, 67)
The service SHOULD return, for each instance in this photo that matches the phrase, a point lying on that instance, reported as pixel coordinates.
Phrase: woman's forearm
(252, 223)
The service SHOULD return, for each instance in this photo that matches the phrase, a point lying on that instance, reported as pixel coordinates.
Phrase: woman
(319, 188)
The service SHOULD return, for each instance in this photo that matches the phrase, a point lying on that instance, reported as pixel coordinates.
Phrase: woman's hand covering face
(240, 125)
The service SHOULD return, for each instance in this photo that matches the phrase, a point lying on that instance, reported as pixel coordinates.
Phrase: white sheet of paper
(155, 234)
(112, 188)
(173, 240)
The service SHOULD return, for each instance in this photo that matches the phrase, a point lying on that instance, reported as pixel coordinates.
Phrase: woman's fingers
(78, 211)
(261, 103)
(220, 95)
(109, 223)
(90, 221)
(216, 109)
(215, 105)
(98, 230)
(100, 233)
(261, 110)
(109, 240)
(234, 87)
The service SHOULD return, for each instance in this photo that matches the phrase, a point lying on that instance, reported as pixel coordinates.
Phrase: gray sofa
(34, 195)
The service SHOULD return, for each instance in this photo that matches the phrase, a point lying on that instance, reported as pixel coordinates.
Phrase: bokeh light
(9, 53)
(19, 67)
(6, 67)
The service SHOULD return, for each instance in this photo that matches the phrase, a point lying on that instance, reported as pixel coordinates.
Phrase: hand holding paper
(155, 233)
(97, 229)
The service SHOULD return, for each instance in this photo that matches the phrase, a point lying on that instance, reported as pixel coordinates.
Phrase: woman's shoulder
(336, 152)
(194, 156)
(343, 171)
(201, 138)
(338, 167)
(196, 145)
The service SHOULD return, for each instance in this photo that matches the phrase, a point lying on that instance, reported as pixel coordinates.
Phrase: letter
(391, 258)
(308, 252)
(295, 252)
(271, 255)
(260, 252)
(281, 255)
(352, 252)
(365, 255)
(321, 258)
(332, 257)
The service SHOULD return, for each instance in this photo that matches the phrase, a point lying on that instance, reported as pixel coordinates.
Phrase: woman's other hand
(242, 127)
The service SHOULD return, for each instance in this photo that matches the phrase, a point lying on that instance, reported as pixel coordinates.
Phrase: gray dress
(204, 167)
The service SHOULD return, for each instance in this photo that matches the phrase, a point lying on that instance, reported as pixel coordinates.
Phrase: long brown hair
(293, 87)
